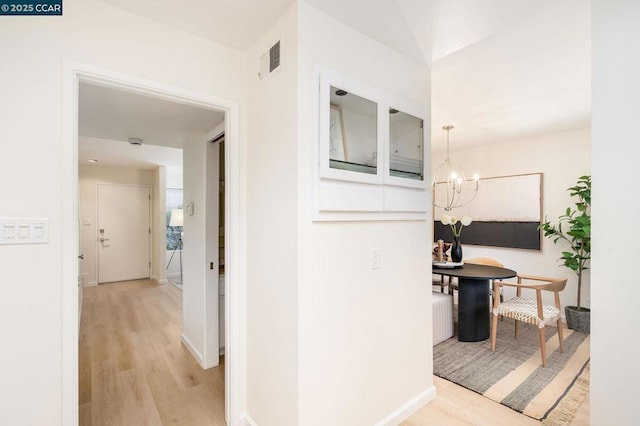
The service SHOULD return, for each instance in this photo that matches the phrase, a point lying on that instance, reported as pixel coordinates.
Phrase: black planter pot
(578, 320)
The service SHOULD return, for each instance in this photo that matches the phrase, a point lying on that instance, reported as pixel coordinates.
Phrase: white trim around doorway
(73, 74)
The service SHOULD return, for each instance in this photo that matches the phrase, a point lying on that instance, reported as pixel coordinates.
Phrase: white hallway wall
(90, 176)
(337, 324)
(194, 259)
(562, 158)
(174, 178)
(272, 252)
(364, 335)
(200, 284)
(615, 293)
(90, 32)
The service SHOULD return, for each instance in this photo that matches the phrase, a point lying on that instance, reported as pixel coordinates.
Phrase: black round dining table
(473, 297)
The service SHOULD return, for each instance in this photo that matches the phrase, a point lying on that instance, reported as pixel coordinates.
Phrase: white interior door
(124, 233)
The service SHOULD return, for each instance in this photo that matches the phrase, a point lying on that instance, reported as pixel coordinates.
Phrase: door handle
(81, 257)
(102, 240)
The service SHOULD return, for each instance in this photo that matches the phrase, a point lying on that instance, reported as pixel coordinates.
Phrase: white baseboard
(91, 284)
(211, 363)
(395, 418)
(409, 408)
(197, 355)
(246, 420)
(159, 281)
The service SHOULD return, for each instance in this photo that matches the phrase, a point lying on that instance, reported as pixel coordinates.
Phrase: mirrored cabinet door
(353, 132)
(406, 145)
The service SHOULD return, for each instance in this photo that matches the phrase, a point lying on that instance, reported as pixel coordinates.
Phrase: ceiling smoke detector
(135, 141)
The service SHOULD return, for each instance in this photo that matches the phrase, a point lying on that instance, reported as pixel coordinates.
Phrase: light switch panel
(23, 231)
(9, 231)
(38, 230)
(20, 230)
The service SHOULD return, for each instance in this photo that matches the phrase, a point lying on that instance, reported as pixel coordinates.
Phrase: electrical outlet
(375, 258)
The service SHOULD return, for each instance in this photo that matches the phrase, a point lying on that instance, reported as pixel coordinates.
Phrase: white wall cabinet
(372, 153)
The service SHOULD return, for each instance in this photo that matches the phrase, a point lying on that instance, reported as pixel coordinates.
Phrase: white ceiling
(121, 154)
(530, 78)
(502, 69)
(109, 117)
(235, 23)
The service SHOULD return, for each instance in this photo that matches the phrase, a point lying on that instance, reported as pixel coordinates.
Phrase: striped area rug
(513, 375)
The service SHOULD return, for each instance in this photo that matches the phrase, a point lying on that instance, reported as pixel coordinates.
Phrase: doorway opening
(175, 227)
(76, 76)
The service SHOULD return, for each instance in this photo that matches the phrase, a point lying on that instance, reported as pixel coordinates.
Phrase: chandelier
(450, 187)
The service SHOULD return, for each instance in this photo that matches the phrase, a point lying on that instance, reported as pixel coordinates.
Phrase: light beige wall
(33, 54)
(364, 335)
(194, 243)
(200, 283)
(272, 245)
(90, 176)
(562, 157)
(615, 293)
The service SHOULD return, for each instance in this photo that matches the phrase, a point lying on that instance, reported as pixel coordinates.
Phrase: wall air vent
(270, 61)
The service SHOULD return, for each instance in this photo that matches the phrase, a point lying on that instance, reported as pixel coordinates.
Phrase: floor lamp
(177, 219)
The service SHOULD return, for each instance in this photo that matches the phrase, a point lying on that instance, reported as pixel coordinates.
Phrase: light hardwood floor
(134, 369)
(457, 406)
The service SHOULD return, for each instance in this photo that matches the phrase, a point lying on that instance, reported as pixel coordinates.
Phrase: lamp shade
(177, 218)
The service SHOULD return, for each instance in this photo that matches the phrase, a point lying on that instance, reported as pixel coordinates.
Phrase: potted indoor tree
(574, 229)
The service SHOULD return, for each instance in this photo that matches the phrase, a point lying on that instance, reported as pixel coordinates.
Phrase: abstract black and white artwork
(505, 213)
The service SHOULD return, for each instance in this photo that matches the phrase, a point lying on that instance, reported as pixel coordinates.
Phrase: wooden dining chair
(438, 279)
(527, 310)
(441, 281)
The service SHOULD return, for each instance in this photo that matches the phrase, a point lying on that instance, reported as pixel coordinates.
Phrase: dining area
(478, 282)
(494, 334)
(480, 301)
(498, 329)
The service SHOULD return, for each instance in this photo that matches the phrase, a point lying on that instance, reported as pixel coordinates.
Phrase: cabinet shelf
(353, 167)
(365, 168)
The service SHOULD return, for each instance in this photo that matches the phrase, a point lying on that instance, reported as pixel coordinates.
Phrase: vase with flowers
(456, 230)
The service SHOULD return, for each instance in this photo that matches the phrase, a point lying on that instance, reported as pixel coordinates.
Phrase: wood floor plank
(85, 414)
(455, 405)
(133, 367)
(207, 415)
(139, 406)
(84, 375)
